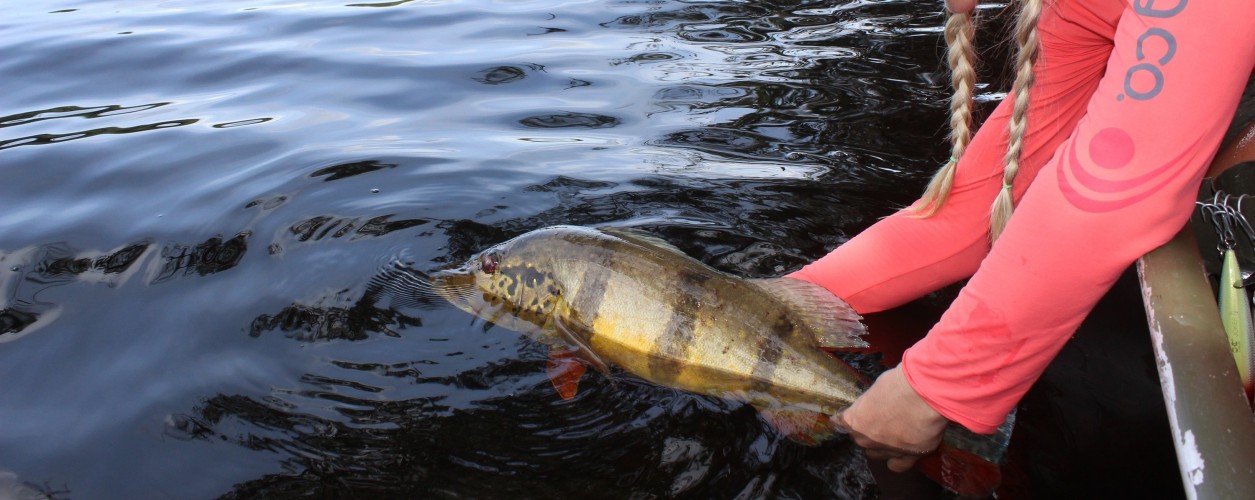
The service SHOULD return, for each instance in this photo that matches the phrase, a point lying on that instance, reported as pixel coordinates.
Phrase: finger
(902, 463)
(840, 424)
(880, 453)
(961, 6)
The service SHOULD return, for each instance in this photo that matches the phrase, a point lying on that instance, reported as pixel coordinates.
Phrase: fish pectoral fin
(575, 342)
(801, 426)
(832, 323)
(564, 371)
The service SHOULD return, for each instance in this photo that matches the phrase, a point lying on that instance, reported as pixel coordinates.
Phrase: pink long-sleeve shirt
(1130, 104)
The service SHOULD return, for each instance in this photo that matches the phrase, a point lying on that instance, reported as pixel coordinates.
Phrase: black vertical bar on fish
(769, 347)
(586, 304)
(673, 345)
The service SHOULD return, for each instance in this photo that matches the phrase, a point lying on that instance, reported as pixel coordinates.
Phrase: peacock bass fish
(611, 296)
(616, 296)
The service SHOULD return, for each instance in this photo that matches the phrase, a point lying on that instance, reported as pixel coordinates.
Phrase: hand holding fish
(891, 421)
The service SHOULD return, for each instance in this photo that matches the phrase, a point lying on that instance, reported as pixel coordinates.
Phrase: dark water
(195, 195)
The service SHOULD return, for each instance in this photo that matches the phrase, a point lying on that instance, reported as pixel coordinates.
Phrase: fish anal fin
(831, 321)
(564, 370)
(801, 426)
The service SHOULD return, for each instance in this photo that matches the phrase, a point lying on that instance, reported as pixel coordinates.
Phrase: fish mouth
(455, 285)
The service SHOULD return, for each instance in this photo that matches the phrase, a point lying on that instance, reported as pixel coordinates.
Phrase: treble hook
(1224, 227)
(1244, 224)
(1208, 211)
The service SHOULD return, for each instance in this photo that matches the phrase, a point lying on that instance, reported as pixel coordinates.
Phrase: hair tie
(1006, 186)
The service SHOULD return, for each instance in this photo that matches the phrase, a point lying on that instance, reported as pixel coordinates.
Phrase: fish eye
(488, 263)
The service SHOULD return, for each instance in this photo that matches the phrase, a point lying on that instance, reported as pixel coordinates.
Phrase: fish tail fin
(961, 472)
(832, 323)
(968, 463)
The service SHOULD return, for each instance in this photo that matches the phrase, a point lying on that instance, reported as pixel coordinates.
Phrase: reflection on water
(336, 172)
(505, 74)
(36, 140)
(587, 120)
(311, 323)
(212, 256)
(331, 139)
(34, 270)
(74, 112)
(322, 226)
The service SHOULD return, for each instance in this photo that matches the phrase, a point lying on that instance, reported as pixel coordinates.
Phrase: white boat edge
(1213, 428)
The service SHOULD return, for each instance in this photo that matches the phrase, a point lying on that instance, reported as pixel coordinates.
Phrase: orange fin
(564, 371)
(803, 427)
(574, 343)
(968, 463)
(961, 472)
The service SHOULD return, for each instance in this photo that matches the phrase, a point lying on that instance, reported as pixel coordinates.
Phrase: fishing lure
(1232, 297)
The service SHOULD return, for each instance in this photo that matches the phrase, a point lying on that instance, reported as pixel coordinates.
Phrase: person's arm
(905, 256)
(1121, 185)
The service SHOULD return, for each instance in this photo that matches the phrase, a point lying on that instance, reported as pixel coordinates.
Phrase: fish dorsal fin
(640, 237)
(833, 322)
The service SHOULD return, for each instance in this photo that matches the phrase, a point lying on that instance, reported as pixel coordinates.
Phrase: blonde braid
(961, 55)
(1026, 38)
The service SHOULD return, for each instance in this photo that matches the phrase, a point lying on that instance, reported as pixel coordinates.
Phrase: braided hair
(959, 34)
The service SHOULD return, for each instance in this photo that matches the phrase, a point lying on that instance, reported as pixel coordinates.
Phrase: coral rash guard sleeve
(904, 256)
(1122, 184)
(1130, 104)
